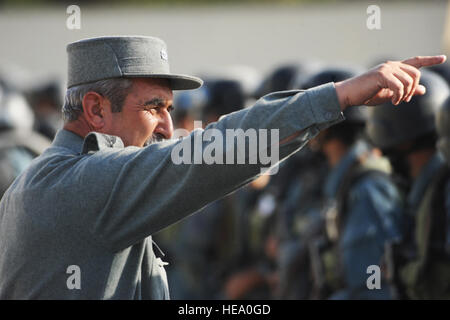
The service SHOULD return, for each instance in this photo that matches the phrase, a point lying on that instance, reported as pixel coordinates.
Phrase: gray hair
(115, 90)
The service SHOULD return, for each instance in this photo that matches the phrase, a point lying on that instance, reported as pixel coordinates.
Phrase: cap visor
(176, 81)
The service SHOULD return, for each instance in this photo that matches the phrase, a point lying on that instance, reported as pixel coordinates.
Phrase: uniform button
(328, 115)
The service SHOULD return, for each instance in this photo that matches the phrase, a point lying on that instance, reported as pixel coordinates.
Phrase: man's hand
(394, 81)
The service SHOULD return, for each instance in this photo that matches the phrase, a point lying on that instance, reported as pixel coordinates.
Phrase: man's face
(145, 115)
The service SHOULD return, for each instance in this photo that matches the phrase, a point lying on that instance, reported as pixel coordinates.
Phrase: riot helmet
(224, 96)
(389, 126)
(279, 79)
(408, 127)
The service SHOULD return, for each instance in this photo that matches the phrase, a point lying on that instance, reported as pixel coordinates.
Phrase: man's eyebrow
(157, 102)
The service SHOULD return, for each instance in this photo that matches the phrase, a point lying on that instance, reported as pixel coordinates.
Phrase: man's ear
(94, 109)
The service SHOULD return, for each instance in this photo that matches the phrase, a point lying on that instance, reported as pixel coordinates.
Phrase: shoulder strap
(355, 174)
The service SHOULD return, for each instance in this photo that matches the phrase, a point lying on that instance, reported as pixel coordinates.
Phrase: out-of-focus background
(312, 230)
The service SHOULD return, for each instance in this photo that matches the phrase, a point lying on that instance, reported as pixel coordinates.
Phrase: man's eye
(152, 111)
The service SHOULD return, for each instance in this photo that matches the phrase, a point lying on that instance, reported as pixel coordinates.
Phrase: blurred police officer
(299, 212)
(251, 275)
(361, 206)
(407, 135)
(19, 144)
(46, 99)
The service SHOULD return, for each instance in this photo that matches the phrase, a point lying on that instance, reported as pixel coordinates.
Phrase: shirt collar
(69, 140)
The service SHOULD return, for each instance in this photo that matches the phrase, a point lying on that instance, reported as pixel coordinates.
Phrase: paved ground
(205, 38)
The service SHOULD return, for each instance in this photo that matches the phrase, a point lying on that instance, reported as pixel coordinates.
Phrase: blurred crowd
(373, 190)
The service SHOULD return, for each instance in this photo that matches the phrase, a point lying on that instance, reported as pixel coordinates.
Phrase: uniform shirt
(373, 216)
(83, 213)
(13, 161)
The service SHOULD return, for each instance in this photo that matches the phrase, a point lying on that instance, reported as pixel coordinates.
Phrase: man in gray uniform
(77, 224)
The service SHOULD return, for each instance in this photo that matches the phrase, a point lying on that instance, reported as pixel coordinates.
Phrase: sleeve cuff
(324, 105)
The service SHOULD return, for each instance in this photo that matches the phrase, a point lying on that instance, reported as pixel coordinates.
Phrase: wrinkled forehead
(146, 89)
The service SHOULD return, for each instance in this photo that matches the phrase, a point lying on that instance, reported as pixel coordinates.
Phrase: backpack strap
(359, 171)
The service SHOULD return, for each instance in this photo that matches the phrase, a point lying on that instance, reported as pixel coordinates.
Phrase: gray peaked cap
(123, 56)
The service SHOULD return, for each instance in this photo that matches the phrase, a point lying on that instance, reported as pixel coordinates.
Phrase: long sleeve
(135, 192)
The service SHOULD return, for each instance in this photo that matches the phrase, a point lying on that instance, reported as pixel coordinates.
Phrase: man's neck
(80, 127)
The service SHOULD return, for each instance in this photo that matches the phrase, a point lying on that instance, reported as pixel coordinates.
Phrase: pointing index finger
(425, 61)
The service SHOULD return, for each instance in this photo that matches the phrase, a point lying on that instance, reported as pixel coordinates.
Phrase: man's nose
(165, 125)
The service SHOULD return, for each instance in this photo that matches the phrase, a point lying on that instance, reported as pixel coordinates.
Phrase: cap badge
(164, 54)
